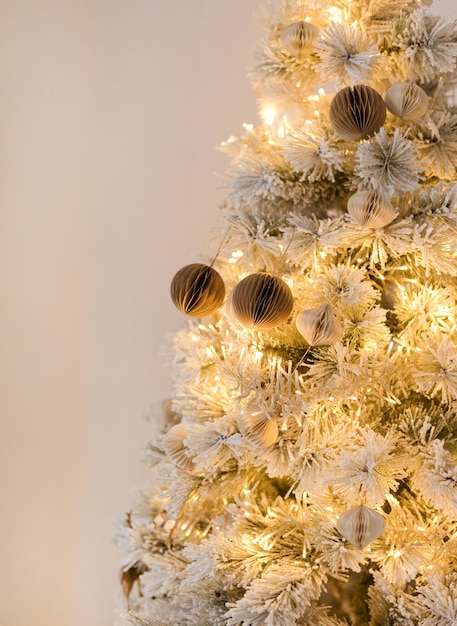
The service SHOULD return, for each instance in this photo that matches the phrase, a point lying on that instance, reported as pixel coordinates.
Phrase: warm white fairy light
(335, 14)
(269, 116)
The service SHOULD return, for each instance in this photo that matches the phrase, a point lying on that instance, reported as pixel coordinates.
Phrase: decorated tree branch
(306, 470)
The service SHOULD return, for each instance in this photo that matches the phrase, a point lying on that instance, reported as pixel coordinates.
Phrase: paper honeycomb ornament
(261, 301)
(197, 290)
(370, 209)
(173, 443)
(360, 525)
(298, 38)
(319, 326)
(258, 427)
(407, 100)
(357, 112)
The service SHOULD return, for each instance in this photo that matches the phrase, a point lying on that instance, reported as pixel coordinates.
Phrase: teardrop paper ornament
(361, 525)
(370, 209)
(197, 290)
(357, 112)
(258, 427)
(319, 326)
(173, 443)
(298, 38)
(407, 100)
(261, 301)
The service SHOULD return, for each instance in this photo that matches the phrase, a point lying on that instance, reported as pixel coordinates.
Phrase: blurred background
(110, 112)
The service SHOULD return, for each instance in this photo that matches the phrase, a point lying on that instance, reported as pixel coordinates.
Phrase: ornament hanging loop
(284, 252)
(224, 239)
(302, 360)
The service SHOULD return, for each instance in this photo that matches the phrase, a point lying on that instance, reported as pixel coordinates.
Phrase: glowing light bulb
(335, 14)
(269, 116)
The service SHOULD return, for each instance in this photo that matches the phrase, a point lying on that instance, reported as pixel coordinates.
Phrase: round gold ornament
(370, 209)
(298, 38)
(197, 290)
(357, 112)
(261, 301)
(407, 100)
(360, 525)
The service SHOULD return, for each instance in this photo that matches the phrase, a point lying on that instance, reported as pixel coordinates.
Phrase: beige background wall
(109, 112)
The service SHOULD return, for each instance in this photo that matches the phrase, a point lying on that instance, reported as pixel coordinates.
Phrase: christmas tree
(306, 472)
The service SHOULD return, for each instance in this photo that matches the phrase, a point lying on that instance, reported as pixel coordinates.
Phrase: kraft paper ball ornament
(319, 326)
(197, 290)
(357, 112)
(298, 38)
(361, 525)
(258, 427)
(370, 209)
(261, 301)
(407, 100)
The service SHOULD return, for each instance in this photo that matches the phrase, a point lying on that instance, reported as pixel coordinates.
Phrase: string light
(335, 14)
(269, 116)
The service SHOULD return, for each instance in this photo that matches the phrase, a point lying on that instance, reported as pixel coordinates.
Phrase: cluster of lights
(236, 256)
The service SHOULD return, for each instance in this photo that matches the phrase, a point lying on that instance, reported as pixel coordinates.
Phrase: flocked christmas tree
(307, 470)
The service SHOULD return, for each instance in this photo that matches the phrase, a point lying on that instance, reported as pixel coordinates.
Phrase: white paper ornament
(298, 38)
(258, 427)
(197, 290)
(319, 326)
(173, 443)
(407, 100)
(357, 112)
(370, 209)
(360, 525)
(261, 301)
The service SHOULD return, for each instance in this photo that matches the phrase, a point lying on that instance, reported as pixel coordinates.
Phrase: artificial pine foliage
(308, 476)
